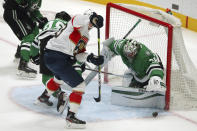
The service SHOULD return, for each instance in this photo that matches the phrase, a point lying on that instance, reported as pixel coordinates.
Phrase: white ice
(100, 116)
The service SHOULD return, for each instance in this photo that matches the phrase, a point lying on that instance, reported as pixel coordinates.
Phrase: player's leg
(62, 98)
(47, 75)
(60, 65)
(23, 69)
(75, 101)
(22, 26)
(61, 95)
(44, 97)
(11, 16)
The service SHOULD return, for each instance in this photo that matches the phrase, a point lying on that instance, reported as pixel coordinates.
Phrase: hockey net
(161, 33)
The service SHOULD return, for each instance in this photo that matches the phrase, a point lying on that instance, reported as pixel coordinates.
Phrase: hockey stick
(98, 99)
(105, 72)
(139, 20)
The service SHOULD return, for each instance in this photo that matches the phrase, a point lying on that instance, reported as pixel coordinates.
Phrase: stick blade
(97, 99)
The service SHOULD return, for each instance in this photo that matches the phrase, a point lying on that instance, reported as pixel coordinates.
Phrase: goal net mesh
(161, 33)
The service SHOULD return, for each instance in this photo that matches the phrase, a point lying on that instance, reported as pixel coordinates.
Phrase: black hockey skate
(44, 99)
(24, 71)
(73, 123)
(62, 102)
(17, 55)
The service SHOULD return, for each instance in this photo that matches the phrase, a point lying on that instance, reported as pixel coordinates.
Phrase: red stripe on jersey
(75, 36)
(52, 85)
(76, 97)
(75, 28)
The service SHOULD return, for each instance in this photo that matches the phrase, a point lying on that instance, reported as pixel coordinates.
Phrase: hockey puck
(155, 114)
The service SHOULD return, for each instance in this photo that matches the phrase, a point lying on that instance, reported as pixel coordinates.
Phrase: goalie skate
(73, 123)
(25, 72)
(62, 102)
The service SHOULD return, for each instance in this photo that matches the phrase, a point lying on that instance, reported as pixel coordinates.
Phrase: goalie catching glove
(156, 84)
(96, 60)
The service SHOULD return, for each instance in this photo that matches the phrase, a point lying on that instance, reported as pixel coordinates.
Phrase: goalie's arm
(107, 53)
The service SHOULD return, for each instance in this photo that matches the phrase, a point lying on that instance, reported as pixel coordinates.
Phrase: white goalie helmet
(130, 49)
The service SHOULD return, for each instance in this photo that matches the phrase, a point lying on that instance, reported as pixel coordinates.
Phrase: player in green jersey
(144, 67)
(49, 31)
(25, 19)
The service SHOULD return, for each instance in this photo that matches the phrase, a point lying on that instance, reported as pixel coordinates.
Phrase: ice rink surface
(18, 113)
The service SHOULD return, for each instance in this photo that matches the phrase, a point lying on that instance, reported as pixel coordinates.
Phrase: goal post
(161, 32)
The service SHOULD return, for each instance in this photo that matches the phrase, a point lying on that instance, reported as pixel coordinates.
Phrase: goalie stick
(105, 72)
(139, 20)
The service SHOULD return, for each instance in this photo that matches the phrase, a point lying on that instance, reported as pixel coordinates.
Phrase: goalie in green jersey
(144, 67)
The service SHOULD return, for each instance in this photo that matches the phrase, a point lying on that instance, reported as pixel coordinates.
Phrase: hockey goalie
(142, 84)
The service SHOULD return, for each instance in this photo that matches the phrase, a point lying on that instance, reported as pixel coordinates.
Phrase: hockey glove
(35, 59)
(106, 51)
(42, 21)
(96, 60)
(96, 20)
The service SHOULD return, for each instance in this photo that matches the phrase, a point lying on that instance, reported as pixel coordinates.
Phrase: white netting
(183, 88)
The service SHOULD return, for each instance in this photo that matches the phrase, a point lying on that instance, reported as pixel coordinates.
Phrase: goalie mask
(130, 49)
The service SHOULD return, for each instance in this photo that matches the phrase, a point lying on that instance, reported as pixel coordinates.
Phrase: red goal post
(163, 34)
